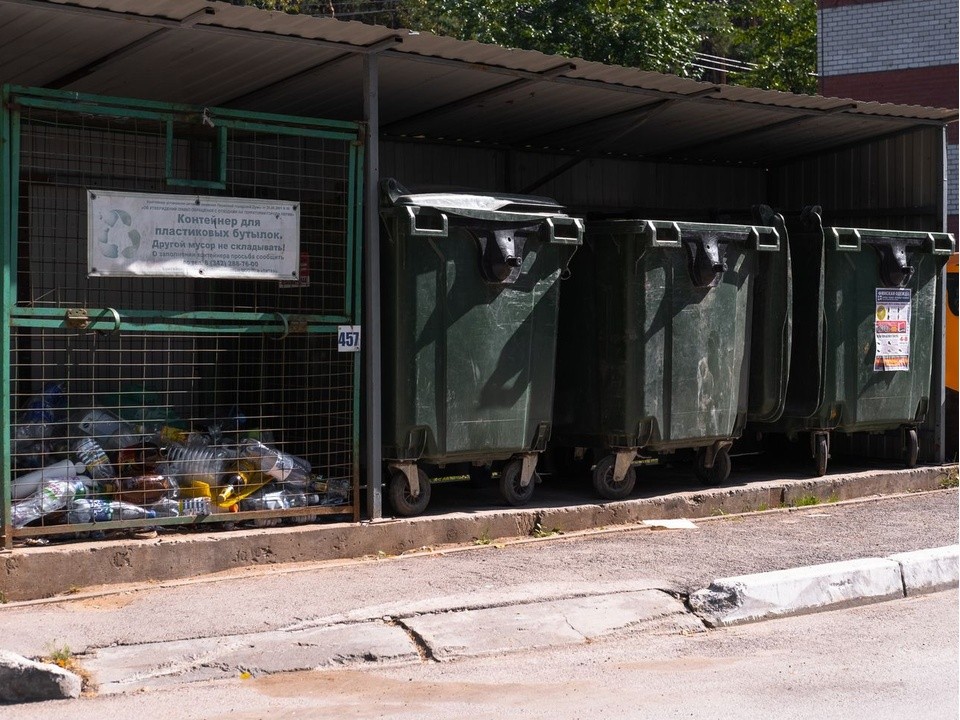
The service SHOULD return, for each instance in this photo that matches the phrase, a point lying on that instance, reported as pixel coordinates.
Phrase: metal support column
(938, 394)
(371, 242)
(8, 296)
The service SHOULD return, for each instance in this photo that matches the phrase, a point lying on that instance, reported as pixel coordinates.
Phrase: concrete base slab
(522, 627)
(748, 598)
(929, 570)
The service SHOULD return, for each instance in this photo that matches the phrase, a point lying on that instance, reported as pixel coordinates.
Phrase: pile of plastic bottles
(96, 467)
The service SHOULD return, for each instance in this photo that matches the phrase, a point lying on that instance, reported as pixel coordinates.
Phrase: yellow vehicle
(950, 366)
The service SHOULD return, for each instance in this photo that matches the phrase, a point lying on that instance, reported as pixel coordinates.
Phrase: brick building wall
(899, 51)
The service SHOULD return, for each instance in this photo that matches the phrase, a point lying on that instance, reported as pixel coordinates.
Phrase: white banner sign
(189, 236)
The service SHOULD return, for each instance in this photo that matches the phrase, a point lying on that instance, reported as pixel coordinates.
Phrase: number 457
(348, 338)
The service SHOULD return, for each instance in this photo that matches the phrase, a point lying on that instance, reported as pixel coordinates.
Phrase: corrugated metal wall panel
(649, 189)
(895, 183)
(609, 186)
(419, 166)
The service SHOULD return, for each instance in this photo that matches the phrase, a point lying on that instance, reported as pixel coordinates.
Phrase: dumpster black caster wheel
(402, 500)
(603, 481)
(716, 475)
(911, 448)
(514, 493)
(820, 455)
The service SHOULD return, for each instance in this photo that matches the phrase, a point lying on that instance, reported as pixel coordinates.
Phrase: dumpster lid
(487, 206)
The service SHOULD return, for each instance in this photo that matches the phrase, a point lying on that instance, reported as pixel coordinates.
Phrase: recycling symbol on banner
(117, 236)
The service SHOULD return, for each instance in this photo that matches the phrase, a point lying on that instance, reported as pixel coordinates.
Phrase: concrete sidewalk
(38, 572)
(495, 624)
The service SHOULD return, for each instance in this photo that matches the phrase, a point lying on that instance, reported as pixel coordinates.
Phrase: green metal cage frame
(14, 98)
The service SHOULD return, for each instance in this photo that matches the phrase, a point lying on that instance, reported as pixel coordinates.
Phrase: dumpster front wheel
(605, 484)
(821, 453)
(513, 492)
(717, 474)
(403, 501)
(911, 447)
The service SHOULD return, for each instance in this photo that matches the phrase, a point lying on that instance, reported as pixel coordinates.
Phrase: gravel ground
(684, 560)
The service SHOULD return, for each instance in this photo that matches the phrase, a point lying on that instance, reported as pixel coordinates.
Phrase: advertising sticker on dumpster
(153, 235)
(892, 329)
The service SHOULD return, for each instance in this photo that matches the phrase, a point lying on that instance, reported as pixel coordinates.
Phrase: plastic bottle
(94, 458)
(280, 466)
(96, 510)
(42, 410)
(38, 419)
(109, 430)
(83, 510)
(169, 507)
(273, 500)
(194, 463)
(228, 427)
(300, 499)
(146, 489)
(26, 485)
(53, 495)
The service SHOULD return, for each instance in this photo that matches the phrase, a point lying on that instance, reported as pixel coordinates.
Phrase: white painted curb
(929, 570)
(749, 598)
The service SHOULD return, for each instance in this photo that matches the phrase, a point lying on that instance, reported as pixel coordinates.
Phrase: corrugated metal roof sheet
(432, 87)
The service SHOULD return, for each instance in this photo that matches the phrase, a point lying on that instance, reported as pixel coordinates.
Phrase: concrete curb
(23, 680)
(929, 570)
(38, 572)
(763, 596)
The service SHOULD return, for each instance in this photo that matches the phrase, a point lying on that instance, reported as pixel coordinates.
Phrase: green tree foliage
(378, 12)
(651, 34)
(768, 43)
(779, 37)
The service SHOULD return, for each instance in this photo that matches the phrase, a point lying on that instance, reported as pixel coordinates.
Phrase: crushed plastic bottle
(53, 496)
(146, 489)
(337, 491)
(188, 507)
(109, 430)
(84, 510)
(227, 429)
(24, 486)
(194, 463)
(278, 465)
(272, 500)
(301, 499)
(38, 419)
(94, 458)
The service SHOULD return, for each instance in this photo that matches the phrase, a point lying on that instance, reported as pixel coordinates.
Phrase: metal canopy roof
(431, 88)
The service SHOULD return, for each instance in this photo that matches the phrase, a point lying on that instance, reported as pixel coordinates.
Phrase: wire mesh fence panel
(158, 400)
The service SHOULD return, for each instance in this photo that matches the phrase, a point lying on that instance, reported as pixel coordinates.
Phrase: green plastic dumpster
(470, 295)
(865, 303)
(656, 325)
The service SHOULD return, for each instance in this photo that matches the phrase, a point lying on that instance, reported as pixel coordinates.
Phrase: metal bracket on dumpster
(412, 474)
(529, 461)
(706, 259)
(565, 230)
(711, 452)
(414, 229)
(622, 464)
(895, 269)
(501, 253)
